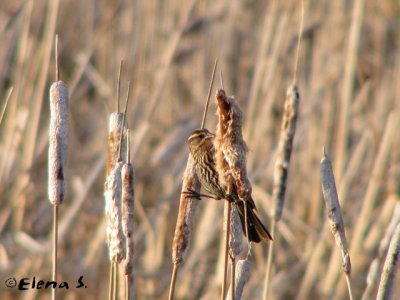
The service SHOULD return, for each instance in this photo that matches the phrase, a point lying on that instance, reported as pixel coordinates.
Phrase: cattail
(389, 269)
(184, 223)
(127, 212)
(230, 160)
(58, 136)
(335, 214)
(285, 146)
(230, 147)
(242, 275)
(112, 194)
(187, 209)
(235, 238)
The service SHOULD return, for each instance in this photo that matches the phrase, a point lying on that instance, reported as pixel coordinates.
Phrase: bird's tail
(255, 228)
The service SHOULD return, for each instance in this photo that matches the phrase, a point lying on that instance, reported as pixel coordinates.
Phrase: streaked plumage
(201, 147)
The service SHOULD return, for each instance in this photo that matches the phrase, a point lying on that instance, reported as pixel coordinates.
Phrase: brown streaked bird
(201, 146)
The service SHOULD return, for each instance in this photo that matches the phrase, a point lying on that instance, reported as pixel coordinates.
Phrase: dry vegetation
(348, 79)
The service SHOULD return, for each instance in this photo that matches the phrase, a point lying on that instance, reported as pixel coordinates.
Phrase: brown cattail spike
(285, 147)
(230, 161)
(115, 239)
(334, 212)
(231, 148)
(127, 213)
(58, 136)
(242, 275)
(187, 209)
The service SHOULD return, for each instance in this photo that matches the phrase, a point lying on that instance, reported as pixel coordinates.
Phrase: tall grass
(348, 78)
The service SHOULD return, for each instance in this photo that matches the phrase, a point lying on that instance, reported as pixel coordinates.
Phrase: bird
(201, 147)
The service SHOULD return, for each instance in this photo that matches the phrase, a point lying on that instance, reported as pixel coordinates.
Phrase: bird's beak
(210, 135)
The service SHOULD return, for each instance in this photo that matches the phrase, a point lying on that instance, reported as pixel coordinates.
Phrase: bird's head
(200, 139)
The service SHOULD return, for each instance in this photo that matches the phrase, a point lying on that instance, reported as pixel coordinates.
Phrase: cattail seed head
(242, 275)
(58, 144)
(285, 147)
(187, 210)
(230, 147)
(334, 211)
(235, 238)
(127, 211)
(112, 194)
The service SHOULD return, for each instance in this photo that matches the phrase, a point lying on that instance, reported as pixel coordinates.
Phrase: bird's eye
(201, 136)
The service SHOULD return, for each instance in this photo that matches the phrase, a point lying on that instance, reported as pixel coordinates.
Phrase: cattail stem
(269, 261)
(173, 282)
(235, 247)
(227, 221)
(233, 270)
(203, 122)
(55, 249)
(110, 281)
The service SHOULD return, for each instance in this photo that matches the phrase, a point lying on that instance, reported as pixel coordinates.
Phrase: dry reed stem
(373, 272)
(6, 104)
(269, 262)
(389, 269)
(260, 67)
(35, 112)
(348, 87)
(235, 245)
(242, 274)
(334, 214)
(226, 232)
(209, 94)
(373, 185)
(233, 285)
(127, 213)
(184, 224)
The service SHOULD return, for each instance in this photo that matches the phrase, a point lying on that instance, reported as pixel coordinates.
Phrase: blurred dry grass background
(169, 48)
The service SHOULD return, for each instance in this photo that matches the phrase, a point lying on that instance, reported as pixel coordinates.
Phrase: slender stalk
(209, 94)
(173, 282)
(119, 83)
(55, 250)
(349, 286)
(227, 222)
(5, 105)
(269, 262)
(115, 273)
(110, 281)
(233, 270)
